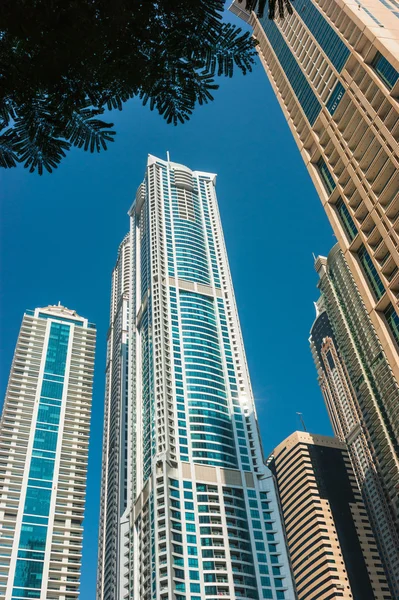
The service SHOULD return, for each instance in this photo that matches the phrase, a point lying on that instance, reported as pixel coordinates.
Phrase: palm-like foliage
(63, 62)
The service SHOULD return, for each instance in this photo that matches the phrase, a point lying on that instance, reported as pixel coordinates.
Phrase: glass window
(326, 176)
(37, 501)
(325, 35)
(392, 319)
(57, 349)
(41, 468)
(179, 573)
(52, 389)
(28, 573)
(385, 70)
(335, 98)
(302, 89)
(346, 219)
(33, 537)
(370, 272)
(45, 440)
(260, 546)
(261, 557)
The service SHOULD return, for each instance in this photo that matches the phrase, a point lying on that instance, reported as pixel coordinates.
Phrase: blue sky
(60, 234)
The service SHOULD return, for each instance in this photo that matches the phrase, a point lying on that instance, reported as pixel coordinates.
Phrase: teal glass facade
(211, 430)
(34, 529)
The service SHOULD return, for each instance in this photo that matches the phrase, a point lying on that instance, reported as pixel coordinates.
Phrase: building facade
(203, 517)
(116, 462)
(362, 398)
(332, 548)
(334, 67)
(44, 440)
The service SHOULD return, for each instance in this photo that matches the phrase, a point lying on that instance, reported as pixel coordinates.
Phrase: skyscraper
(362, 398)
(334, 67)
(201, 518)
(333, 551)
(44, 440)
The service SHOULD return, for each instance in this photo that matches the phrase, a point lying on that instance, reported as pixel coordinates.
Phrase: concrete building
(362, 398)
(334, 67)
(199, 517)
(332, 548)
(44, 440)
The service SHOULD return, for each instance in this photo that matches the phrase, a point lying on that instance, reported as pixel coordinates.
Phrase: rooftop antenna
(167, 156)
(302, 421)
(314, 256)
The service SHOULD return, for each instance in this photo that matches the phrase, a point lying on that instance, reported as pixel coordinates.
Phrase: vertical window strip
(370, 272)
(325, 35)
(392, 319)
(300, 85)
(335, 98)
(326, 176)
(32, 542)
(386, 72)
(346, 219)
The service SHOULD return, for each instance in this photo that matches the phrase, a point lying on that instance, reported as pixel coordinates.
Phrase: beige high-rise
(334, 67)
(332, 548)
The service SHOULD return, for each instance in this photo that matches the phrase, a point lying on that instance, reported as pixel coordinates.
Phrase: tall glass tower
(334, 67)
(44, 441)
(199, 518)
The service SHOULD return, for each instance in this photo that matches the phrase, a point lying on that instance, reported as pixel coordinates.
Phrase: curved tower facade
(203, 517)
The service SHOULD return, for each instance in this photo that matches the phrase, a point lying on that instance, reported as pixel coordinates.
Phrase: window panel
(28, 574)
